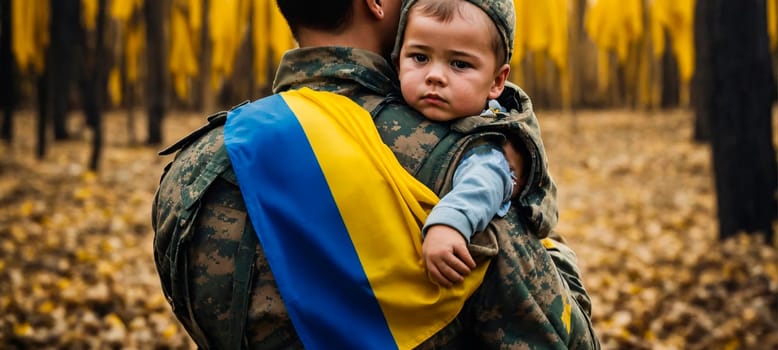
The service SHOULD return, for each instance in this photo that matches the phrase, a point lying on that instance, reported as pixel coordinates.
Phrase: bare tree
(7, 83)
(94, 80)
(737, 101)
(154, 13)
(61, 66)
(702, 81)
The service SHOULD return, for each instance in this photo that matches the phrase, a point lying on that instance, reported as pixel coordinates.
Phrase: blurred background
(657, 117)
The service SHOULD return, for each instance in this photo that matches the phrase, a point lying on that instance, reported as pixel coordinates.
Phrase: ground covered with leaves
(636, 201)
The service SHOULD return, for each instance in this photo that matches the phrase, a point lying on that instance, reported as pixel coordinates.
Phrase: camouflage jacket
(218, 281)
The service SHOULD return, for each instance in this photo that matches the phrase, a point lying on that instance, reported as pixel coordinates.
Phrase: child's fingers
(464, 256)
(437, 276)
(456, 264)
(450, 269)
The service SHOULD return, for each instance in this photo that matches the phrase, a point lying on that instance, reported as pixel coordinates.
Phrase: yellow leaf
(22, 329)
(170, 331)
(733, 344)
(46, 308)
(63, 283)
(26, 209)
(82, 193)
(84, 256)
(18, 233)
(105, 269)
(115, 86)
(89, 176)
(114, 321)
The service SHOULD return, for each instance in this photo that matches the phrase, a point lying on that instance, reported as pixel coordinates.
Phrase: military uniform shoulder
(214, 121)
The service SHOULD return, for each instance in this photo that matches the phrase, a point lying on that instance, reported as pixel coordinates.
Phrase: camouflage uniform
(218, 281)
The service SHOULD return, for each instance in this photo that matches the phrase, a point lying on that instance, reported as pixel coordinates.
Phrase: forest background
(665, 166)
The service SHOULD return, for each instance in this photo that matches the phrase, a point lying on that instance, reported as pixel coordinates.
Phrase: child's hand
(446, 256)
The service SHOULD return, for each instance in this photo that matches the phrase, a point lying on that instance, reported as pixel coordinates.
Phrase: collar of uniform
(335, 69)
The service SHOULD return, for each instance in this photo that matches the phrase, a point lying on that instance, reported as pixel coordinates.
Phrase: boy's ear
(376, 7)
(499, 81)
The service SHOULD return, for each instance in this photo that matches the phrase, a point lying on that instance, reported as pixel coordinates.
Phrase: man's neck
(348, 38)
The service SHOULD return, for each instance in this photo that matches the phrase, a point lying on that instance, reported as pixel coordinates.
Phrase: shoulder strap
(214, 120)
(389, 98)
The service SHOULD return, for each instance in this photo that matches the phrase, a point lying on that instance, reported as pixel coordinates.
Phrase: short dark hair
(328, 15)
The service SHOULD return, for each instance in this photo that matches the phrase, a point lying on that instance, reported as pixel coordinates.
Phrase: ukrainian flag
(339, 221)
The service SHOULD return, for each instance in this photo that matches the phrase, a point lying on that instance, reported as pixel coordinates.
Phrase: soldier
(214, 272)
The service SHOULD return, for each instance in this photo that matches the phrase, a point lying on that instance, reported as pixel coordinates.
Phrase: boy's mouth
(433, 99)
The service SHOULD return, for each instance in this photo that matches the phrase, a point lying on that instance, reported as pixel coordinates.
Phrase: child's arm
(482, 186)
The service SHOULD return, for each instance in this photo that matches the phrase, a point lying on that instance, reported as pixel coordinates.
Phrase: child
(452, 60)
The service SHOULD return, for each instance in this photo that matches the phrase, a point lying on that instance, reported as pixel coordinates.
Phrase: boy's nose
(435, 77)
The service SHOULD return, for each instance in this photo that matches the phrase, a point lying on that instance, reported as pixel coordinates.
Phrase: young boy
(452, 60)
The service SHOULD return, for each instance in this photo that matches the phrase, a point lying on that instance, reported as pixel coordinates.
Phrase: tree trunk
(670, 76)
(206, 101)
(8, 85)
(741, 98)
(43, 114)
(155, 78)
(703, 75)
(64, 43)
(94, 82)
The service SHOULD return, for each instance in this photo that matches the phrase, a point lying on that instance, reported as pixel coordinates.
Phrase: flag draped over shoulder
(339, 221)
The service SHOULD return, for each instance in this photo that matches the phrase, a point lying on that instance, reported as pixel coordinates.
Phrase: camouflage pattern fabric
(220, 286)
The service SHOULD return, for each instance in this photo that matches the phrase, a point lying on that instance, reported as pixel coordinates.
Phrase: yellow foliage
(132, 52)
(270, 36)
(260, 38)
(183, 57)
(542, 29)
(614, 26)
(22, 329)
(89, 9)
(26, 209)
(226, 28)
(115, 86)
(131, 38)
(279, 35)
(63, 283)
(677, 18)
(114, 320)
(122, 10)
(30, 22)
(46, 307)
(170, 331)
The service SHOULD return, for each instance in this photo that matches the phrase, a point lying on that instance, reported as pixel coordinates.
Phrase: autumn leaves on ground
(636, 201)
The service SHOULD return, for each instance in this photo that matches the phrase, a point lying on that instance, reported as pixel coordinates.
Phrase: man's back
(217, 277)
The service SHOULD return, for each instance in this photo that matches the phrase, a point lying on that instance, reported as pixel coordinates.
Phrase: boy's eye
(460, 64)
(419, 58)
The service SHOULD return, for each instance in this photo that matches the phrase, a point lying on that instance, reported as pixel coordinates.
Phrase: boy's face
(448, 70)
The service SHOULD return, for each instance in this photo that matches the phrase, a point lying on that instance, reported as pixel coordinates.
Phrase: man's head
(331, 15)
(453, 55)
(367, 24)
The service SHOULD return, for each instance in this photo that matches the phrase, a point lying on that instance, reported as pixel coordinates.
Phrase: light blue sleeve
(482, 188)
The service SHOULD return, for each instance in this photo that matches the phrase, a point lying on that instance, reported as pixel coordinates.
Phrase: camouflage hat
(501, 12)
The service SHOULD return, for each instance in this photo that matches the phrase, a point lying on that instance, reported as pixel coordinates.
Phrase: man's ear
(499, 81)
(376, 7)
